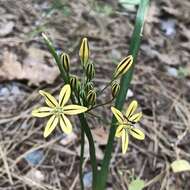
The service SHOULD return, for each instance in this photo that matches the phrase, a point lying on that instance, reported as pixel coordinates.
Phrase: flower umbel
(58, 110)
(126, 124)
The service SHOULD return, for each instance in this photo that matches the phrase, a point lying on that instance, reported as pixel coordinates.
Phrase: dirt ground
(161, 85)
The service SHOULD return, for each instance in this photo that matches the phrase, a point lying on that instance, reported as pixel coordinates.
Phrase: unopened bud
(123, 66)
(115, 87)
(75, 83)
(84, 51)
(90, 71)
(65, 61)
(91, 97)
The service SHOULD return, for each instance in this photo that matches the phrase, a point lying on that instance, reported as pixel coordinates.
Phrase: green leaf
(183, 72)
(129, 2)
(55, 55)
(136, 184)
(180, 166)
(133, 50)
(103, 9)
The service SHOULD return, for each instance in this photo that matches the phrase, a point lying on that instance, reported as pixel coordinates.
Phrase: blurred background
(161, 85)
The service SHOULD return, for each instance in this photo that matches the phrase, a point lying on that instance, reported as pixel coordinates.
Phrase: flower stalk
(124, 85)
(82, 119)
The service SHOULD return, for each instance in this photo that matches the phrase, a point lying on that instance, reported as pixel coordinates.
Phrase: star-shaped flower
(126, 124)
(58, 111)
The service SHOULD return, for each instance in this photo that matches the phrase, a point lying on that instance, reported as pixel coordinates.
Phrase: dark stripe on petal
(50, 100)
(124, 68)
(62, 98)
(83, 51)
(134, 131)
(63, 120)
(52, 122)
(131, 111)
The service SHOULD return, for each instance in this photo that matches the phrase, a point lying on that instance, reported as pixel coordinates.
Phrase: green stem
(85, 127)
(81, 159)
(107, 85)
(98, 105)
(124, 84)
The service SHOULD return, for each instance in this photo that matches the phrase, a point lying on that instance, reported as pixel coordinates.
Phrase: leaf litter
(25, 64)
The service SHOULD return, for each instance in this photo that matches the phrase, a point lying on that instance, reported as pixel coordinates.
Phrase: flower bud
(90, 71)
(115, 87)
(123, 66)
(75, 84)
(65, 61)
(84, 51)
(91, 97)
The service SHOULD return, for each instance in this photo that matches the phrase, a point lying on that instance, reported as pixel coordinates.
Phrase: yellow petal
(49, 99)
(123, 66)
(74, 109)
(50, 126)
(65, 124)
(125, 141)
(117, 114)
(137, 133)
(42, 112)
(131, 109)
(119, 130)
(64, 95)
(136, 117)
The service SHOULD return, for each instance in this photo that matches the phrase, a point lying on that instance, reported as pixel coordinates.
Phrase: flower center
(57, 111)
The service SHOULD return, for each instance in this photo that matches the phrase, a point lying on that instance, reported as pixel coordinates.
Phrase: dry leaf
(171, 58)
(153, 13)
(99, 153)
(34, 177)
(6, 28)
(100, 136)
(180, 166)
(33, 68)
(68, 139)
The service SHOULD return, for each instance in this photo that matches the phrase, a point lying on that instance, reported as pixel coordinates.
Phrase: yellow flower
(58, 111)
(125, 124)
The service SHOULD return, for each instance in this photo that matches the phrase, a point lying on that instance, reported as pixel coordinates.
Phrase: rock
(169, 27)
(172, 71)
(6, 28)
(34, 157)
(87, 179)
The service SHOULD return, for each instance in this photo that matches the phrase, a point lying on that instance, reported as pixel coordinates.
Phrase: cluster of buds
(86, 89)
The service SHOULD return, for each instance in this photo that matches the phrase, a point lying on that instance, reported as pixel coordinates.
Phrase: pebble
(169, 27)
(87, 179)
(172, 71)
(130, 93)
(4, 91)
(34, 157)
(35, 175)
